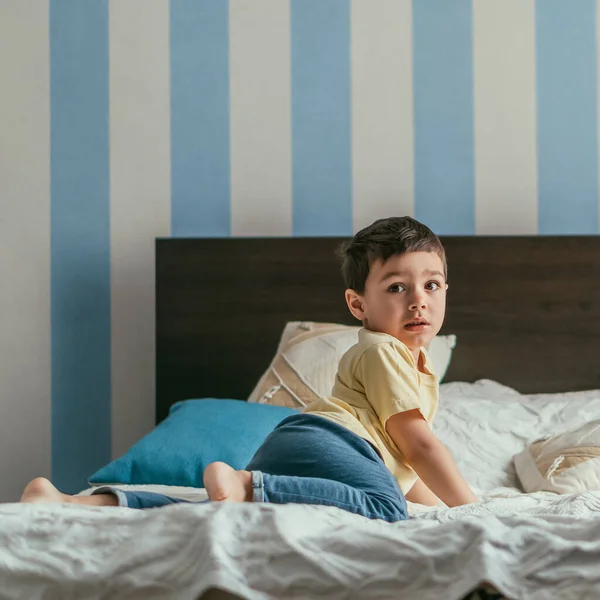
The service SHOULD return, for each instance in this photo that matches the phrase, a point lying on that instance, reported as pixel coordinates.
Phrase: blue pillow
(196, 433)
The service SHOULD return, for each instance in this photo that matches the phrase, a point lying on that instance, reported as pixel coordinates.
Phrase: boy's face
(404, 297)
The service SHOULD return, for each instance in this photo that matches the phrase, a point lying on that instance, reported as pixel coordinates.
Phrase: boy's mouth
(416, 325)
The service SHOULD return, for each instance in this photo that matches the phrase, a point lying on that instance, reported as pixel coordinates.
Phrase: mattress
(528, 546)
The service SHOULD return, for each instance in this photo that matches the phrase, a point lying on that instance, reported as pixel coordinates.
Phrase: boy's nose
(418, 302)
(418, 305)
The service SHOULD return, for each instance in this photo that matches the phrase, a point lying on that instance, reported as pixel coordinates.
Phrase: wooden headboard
(526, 310)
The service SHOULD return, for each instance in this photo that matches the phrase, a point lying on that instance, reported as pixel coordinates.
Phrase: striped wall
(124, 120)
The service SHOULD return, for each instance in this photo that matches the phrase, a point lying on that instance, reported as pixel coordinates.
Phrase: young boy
(369, 444)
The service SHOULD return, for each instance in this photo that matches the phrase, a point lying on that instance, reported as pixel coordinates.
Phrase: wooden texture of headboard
(526, 310)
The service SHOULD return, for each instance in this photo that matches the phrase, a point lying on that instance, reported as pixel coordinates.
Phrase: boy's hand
(430, 459)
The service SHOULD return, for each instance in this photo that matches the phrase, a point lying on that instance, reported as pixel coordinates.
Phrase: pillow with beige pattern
(565, 463)
(307, 358)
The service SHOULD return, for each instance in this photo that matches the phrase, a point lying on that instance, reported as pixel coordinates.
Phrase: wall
(125, 120)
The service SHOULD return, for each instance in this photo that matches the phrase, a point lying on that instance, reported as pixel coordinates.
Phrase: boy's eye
(433, 285)
(396, 288)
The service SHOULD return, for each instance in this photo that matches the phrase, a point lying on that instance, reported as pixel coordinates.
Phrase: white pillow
(564, 463)
(307, 358)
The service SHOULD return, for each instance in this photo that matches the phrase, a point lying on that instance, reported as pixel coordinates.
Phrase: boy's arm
(420, 494)
(430, 459)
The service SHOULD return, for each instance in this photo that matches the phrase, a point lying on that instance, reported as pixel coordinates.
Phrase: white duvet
(533, 546)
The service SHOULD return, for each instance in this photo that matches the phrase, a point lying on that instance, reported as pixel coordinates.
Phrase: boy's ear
(355, 303)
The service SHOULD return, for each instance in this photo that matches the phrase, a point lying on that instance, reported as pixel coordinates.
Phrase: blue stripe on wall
(80, 240)
(321, 119)
(444, 130)
(567, 117)
(200, 165)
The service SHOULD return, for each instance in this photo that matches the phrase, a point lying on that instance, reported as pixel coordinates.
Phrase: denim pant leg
(142, 500)
(308, 459)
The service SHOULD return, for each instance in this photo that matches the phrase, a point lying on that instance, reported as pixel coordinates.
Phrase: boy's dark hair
(381, 240)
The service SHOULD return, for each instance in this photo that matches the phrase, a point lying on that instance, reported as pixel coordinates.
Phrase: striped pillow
(307, 358)
(565, 463)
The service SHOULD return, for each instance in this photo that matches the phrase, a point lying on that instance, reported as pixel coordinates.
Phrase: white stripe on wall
(505, 117)
(382, 110)
(598, 92)
(25, 408)
(261, 162)
(140, 204)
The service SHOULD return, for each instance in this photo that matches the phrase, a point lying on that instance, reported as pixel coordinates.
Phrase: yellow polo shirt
(376, 379)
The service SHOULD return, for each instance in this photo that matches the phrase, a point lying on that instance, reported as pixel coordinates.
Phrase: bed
(526, 313)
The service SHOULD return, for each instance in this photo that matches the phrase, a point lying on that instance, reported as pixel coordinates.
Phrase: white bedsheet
(484, 424)
(538, 546)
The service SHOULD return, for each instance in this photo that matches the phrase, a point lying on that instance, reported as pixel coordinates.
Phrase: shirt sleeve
(390, 380)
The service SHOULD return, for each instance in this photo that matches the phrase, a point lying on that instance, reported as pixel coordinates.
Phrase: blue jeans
(308, 459)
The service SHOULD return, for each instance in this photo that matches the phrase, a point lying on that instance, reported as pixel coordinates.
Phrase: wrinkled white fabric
(537, 547)
(485, 424)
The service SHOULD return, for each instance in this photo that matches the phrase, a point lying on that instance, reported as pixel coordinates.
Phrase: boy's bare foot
(41, 490)
(225, 484)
